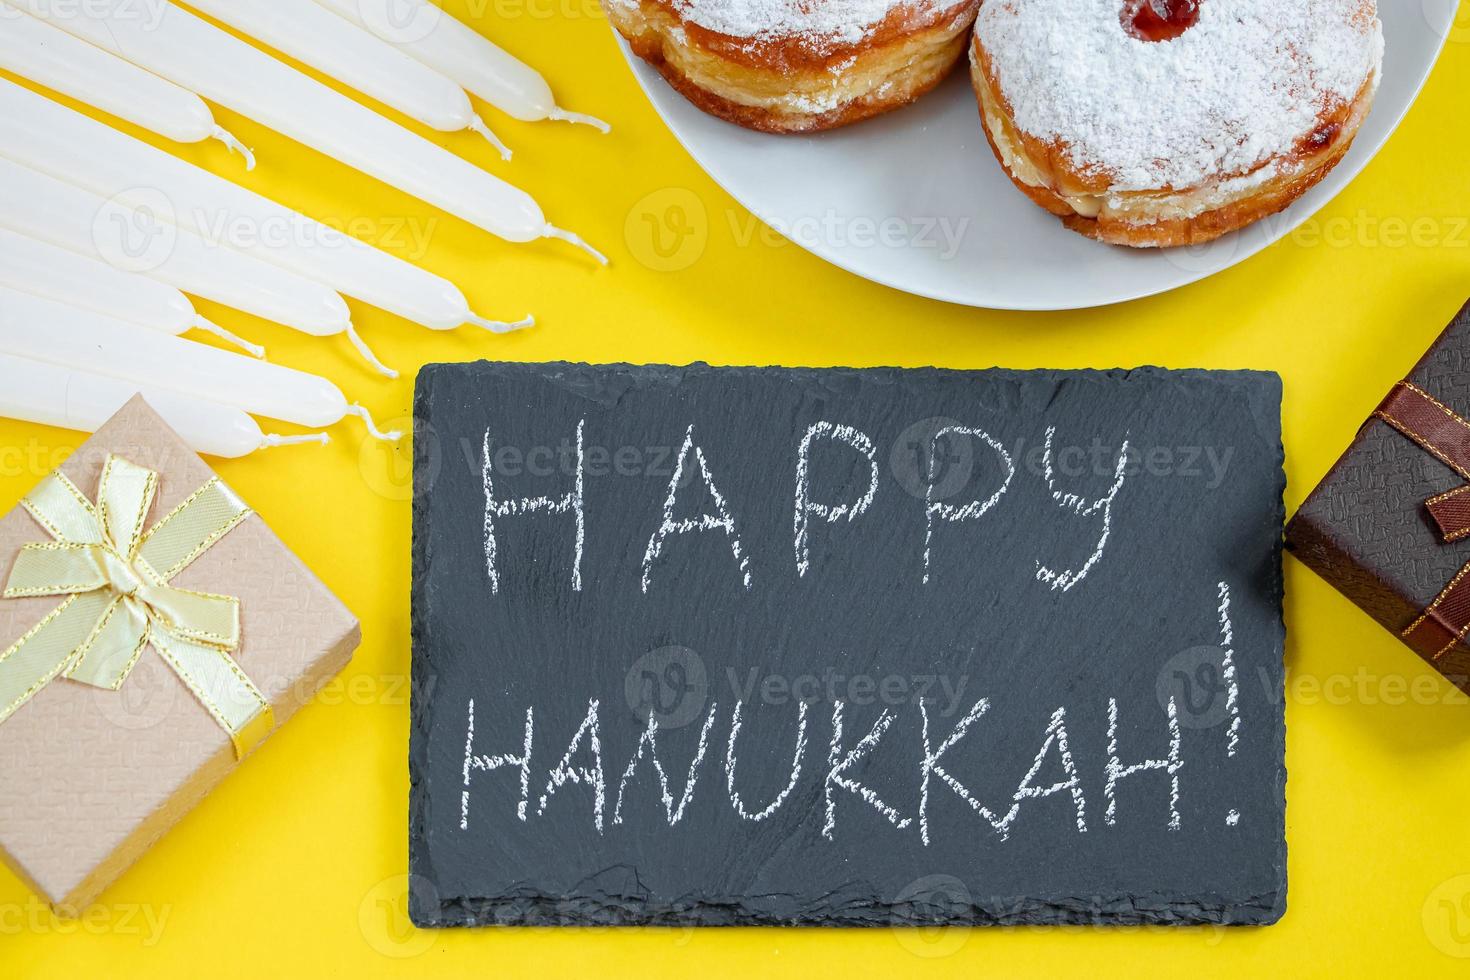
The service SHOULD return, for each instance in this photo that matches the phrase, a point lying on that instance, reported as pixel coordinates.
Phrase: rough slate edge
(624, 904)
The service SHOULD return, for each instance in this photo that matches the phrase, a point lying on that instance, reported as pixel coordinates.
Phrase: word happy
(693, 465)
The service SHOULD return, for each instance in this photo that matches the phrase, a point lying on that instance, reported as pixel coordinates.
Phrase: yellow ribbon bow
(115, 577)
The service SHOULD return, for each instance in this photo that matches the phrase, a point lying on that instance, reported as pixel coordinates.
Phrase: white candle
(48, 394)
(42, 330)
(423, 30)
(38, 267)
(170, 41)
(33, 49)
(52, 138)
(356, 58)
(137, 239)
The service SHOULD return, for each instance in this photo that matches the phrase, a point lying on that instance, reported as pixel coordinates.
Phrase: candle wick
(478, 125)
(367, 353)
(229, 140)
(551, 231)
(391, 436)
(500, 326)
(580, 118)
(254, 350)
(270, 440)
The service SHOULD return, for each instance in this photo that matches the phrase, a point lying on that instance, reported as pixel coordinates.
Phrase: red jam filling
(1160, 20)
(1323, 135)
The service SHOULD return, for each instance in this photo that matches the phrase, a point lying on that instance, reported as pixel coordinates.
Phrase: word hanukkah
(585, 761)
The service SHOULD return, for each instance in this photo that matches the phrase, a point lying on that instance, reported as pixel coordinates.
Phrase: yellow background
(296, 863)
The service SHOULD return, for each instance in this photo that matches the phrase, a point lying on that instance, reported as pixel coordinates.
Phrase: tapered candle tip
(478, 125)
(254, 350)
(393, 435)
(367, 353)
(229, 140)
(501, 326)
(270, 440)
(580, 118)
(551, 231)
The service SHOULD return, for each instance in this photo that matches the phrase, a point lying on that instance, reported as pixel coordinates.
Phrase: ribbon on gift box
(115, 578)
(1445, 435)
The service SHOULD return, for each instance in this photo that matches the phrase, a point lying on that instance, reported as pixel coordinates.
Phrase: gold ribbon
(115, 575)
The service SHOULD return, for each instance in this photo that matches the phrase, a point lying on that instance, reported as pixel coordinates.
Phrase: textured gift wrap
(92, 777)
(1368, 528)
(761, 646)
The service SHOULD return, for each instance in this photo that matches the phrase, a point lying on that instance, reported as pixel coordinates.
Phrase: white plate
(888, 199)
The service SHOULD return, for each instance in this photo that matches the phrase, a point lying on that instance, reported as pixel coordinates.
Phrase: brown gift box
(91, 777)
(1370, 527)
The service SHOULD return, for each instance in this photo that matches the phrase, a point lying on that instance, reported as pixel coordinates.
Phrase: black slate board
(1057, 652)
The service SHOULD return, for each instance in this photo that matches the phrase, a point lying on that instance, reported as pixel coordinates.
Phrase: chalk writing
(831, 513)
(720, 520)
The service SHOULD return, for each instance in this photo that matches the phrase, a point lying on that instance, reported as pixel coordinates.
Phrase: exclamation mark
(1232, 686)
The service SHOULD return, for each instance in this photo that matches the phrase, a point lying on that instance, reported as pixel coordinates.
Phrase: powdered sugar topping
(818, 22)
(1239, 89)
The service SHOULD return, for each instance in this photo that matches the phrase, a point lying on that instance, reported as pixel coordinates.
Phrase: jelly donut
(1172, 122)
(793, 66)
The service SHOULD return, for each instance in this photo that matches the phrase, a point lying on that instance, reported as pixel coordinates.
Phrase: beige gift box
(92, 777)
